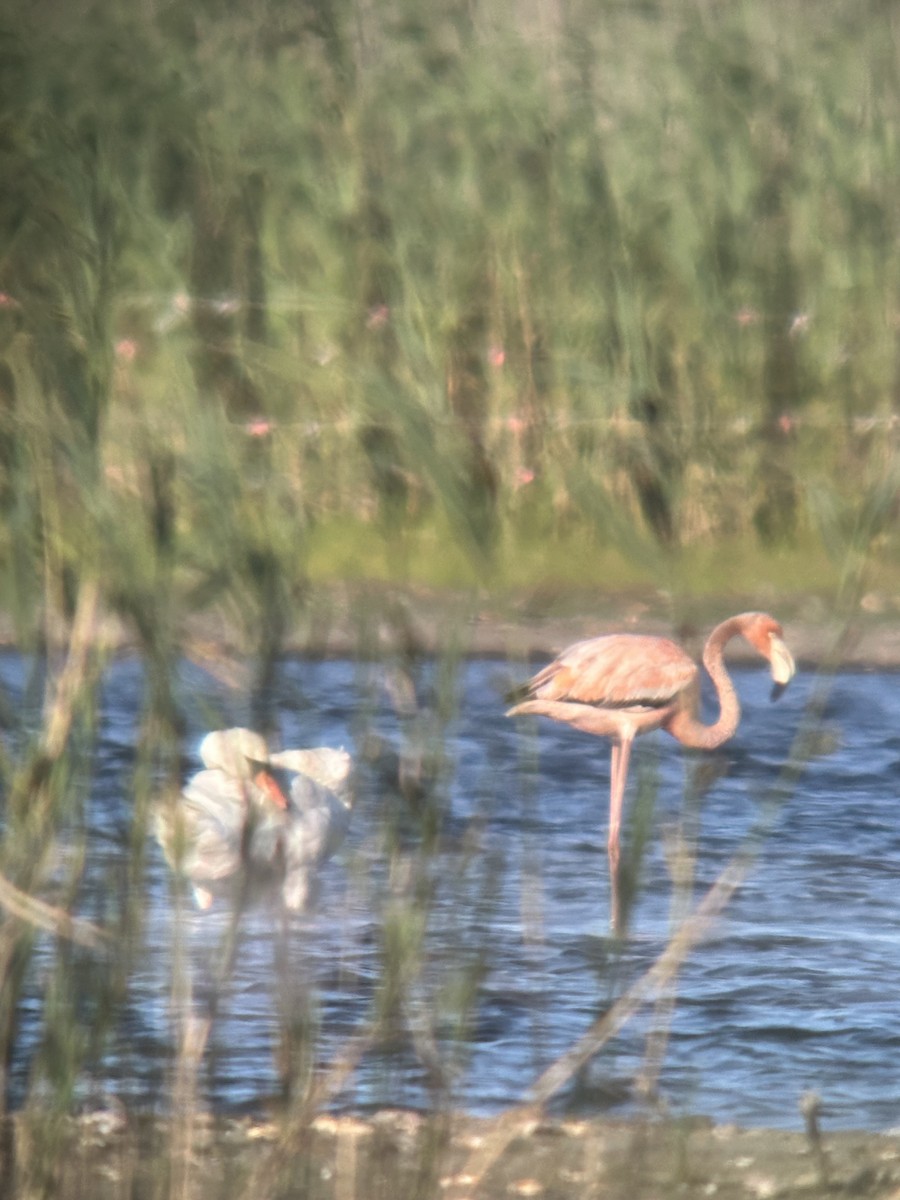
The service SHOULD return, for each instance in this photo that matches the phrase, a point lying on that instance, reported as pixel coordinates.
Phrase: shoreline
(399, 1153)
(382, 621)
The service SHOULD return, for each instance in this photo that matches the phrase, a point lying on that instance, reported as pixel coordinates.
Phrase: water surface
(498, 867)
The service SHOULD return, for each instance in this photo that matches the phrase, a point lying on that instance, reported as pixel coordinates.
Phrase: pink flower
(378, 316)
(126, 349)
(225, 305)
(259, 427)
(496, 356)
(524, 476)
(799, 324)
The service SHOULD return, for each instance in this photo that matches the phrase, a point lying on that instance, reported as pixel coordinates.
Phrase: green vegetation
(550, 300)
(293, 294)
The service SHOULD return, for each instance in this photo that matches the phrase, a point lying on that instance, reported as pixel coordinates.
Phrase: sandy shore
(402, 1154)
(376, 620)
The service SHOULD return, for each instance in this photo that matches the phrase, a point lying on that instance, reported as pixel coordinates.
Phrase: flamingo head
(766, 635)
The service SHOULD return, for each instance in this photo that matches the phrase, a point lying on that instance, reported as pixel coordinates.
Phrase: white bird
(234, 816)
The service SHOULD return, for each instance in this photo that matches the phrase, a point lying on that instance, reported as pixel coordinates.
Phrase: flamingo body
(627, 673)
(236, 816)
(622, 685)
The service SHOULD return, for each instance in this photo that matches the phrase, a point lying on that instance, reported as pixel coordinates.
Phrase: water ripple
(797, 986)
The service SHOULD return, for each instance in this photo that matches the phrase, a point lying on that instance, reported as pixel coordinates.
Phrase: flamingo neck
(684, 724)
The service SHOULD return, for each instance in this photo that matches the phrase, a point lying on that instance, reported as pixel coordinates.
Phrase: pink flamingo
(624, 684)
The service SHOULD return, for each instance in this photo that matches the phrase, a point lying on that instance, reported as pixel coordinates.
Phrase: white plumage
(235, 822)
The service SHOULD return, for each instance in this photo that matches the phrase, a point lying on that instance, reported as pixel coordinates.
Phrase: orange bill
(269, 785)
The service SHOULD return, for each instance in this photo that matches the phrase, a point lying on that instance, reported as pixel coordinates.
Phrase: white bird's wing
(265, 848)
(217, 797)
(308, 794)
(317, 827)
(201, 833)
(327, 767)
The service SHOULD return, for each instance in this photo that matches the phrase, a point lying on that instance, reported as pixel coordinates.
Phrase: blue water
(497, 872)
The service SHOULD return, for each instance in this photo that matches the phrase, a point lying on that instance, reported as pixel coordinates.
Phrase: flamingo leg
(621, 753)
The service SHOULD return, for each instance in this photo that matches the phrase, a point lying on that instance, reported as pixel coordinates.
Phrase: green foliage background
(569, 293)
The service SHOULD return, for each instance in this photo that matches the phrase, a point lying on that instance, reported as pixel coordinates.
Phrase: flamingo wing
(617, 671)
